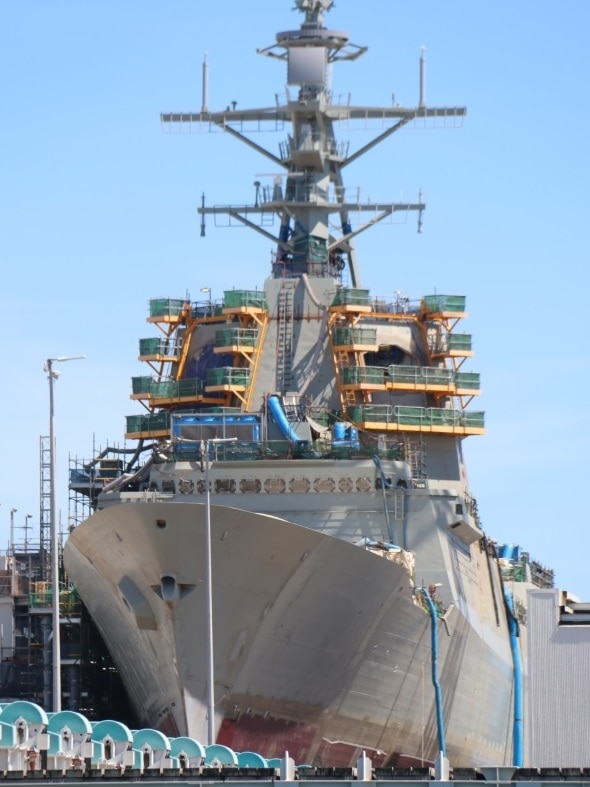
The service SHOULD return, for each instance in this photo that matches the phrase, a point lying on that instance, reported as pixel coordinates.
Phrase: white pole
(205, 104)
(56, 650)
(211, 675)
(56, 671)
(209, 580)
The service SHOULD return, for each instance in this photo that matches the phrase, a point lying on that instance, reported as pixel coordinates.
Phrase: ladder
(347, 396)
(285, 335)
(399, 504)
(415, 453)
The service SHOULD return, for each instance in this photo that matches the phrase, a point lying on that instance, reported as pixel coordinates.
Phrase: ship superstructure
(298, 564)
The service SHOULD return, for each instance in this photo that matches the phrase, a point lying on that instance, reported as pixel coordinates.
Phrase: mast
(311, 189)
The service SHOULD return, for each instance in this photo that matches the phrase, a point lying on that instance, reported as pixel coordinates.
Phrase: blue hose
(435, 682)
(517, 729)
(276, 408)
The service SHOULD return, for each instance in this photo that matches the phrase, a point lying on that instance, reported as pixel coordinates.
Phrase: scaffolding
(45, 506)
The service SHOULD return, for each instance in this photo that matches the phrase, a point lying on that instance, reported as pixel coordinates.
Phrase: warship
(290, 558)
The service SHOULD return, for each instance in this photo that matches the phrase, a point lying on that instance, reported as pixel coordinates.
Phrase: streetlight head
(13, 510)
(62, 358)
(205, 289)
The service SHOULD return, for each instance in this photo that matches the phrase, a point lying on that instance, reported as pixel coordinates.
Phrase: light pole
(211, 672)
(54, 544)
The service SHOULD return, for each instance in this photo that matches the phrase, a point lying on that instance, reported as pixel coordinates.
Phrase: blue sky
(98, 215)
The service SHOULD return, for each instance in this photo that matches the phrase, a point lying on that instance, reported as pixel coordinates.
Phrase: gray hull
(320, 646)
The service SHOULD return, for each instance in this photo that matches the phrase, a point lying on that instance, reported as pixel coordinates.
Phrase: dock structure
(65, 747)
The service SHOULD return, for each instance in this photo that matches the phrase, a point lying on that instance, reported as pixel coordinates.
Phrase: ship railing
(348, 336)
(233, 299)
(315, 142)
(166, 307)
(228, 375)
(202, 309)
(238, 337)
(355, 375)
(472, 509)
(190, 450)
(467, 380)
(427, 375)
(306, 190)
(451, 342)
(152, 422)
(142, 384)
(159, 346)
(444, 303)
(311, 93)
(350, 296)
(175, 389)
(401, 415)
(397, 305)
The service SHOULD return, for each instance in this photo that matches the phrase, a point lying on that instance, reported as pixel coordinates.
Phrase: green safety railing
(459, 341)
(236, 298)
(353, 375)
(166, 307)
(152, 422)
(402, 415)
(155, 346)
(421, 375)
(164, 389)
(311, 247)
(141, 385)
(467, 380)
(42, 598)
(444, 303)
(345, 336)
(346, 296)
(228, 375)
(242, 337)
(172, 389)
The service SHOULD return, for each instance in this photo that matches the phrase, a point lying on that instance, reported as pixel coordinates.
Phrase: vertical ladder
(399, 504)
(347, 396)
(415, 452)
(285, 335)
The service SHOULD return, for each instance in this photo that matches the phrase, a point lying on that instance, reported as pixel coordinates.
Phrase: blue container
(339, 431)
(508, 551)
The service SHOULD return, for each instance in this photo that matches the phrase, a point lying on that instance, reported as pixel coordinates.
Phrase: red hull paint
(273, 737)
